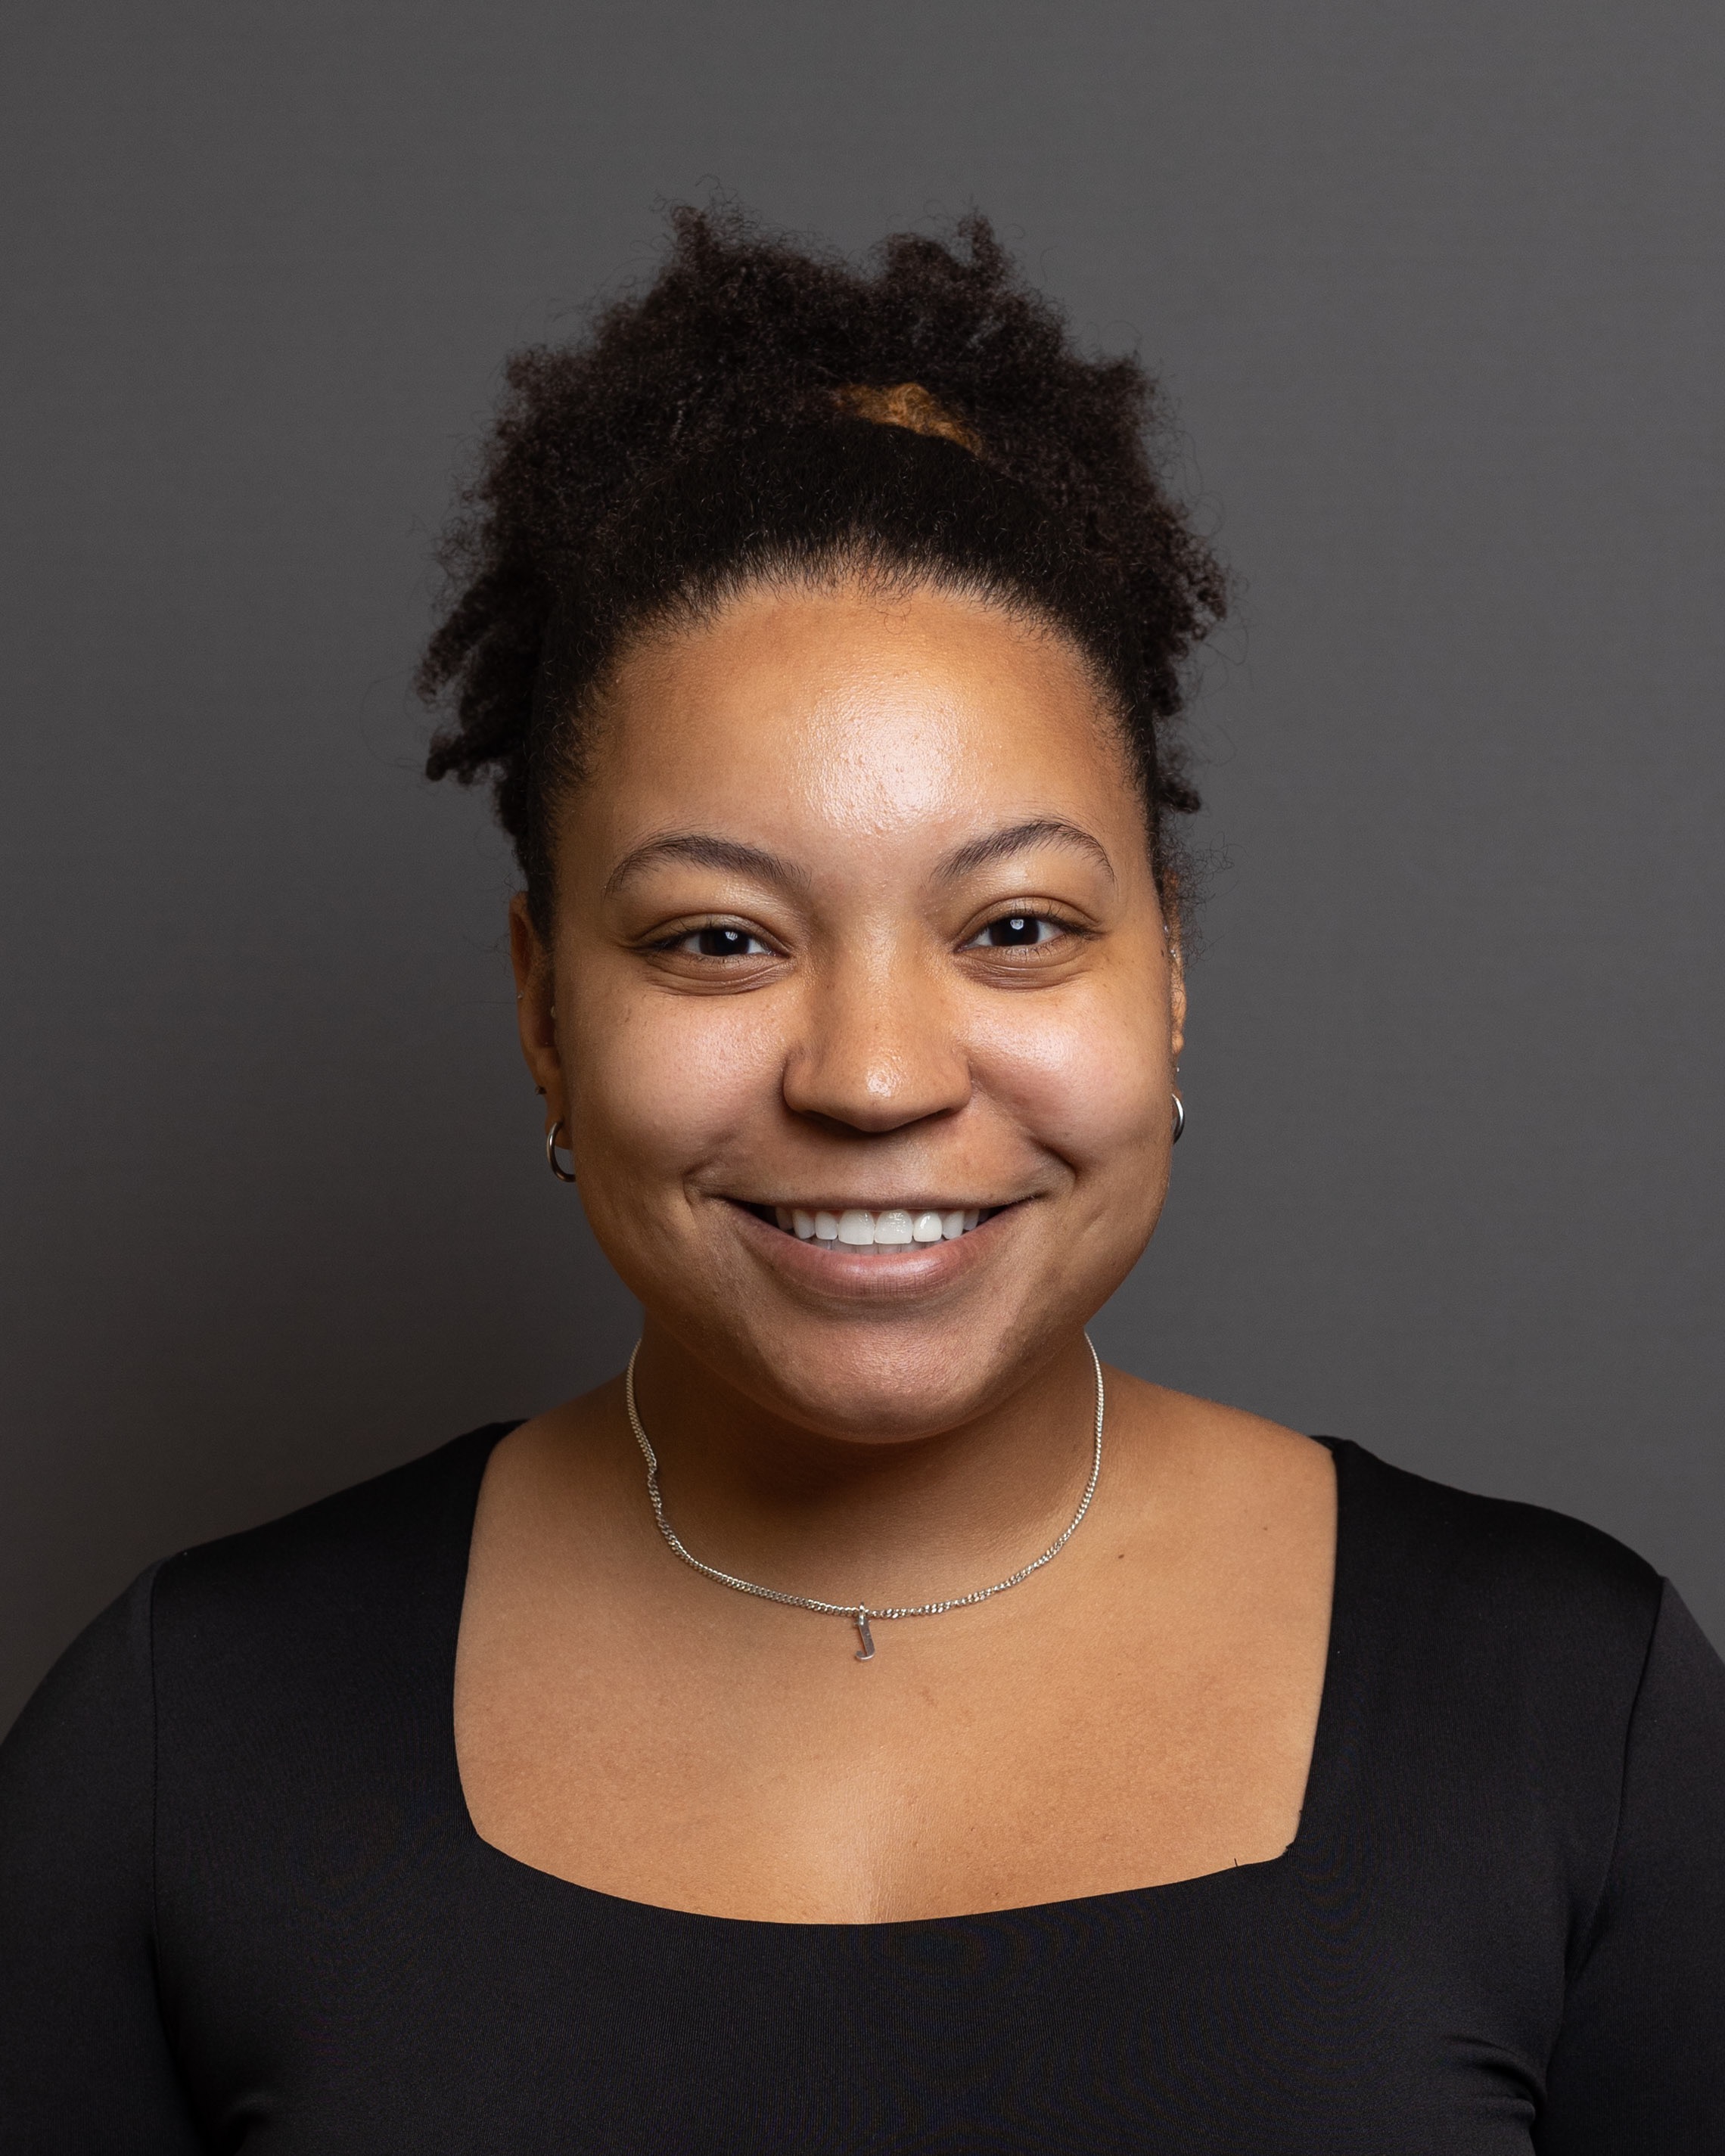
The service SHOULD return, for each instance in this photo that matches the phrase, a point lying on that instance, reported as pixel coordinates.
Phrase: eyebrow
(1016, 838)
(707, 850)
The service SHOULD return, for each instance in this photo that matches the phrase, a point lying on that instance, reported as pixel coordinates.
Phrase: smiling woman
(822, 633)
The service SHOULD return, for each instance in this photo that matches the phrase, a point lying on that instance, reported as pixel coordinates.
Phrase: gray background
(1437, 289)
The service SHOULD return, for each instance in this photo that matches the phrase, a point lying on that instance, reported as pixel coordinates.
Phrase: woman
(867, 1724)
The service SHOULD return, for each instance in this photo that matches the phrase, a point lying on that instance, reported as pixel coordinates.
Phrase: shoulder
(1523, 1569)
(1495, 1651)
(94, 1703)
(1510, 1597)
(304, 1670)
(368, 1565)
(332, 1561)
(388, 1518)
(397, 1540)
(1402, 1535)
(1223, 1472)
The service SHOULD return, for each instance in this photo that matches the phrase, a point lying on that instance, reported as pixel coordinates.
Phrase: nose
(877, 1050)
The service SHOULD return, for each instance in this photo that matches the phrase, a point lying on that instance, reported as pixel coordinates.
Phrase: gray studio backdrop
(1437, 290)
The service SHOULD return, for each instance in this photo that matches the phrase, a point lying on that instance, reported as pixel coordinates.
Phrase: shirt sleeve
(1639, 2062)
(86, 2068)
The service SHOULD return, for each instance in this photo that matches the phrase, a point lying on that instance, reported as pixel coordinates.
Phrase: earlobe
(562, 1174)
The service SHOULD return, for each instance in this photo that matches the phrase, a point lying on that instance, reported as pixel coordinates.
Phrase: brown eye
(719, 943)
(1012, 930)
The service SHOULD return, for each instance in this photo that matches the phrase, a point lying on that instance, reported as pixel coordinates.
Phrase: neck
(906, 1520)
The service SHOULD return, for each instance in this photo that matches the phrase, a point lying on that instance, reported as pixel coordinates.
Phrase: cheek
(663, 1085)
(1083, 1075)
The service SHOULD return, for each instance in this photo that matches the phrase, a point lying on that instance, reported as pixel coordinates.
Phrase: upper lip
(883, 1204)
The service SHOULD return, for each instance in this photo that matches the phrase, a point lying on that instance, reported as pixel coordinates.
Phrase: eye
(718, 943)
(1013, 929)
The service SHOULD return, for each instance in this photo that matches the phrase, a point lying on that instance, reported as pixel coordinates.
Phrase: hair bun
(906, 404)
(763, 408)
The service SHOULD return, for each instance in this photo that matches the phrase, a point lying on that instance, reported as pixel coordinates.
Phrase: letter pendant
(866, 1653)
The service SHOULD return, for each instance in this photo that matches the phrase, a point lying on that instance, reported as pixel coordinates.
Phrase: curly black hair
(764, 412)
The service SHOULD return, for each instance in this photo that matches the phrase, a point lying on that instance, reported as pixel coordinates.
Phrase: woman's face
(854, 919)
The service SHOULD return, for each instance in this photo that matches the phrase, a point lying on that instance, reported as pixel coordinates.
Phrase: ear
(1176, 993)
(535, 1014)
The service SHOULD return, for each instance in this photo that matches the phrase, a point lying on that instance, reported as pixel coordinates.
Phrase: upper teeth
(859, 1229)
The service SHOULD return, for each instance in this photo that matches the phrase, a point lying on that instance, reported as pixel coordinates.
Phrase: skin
(848, 789)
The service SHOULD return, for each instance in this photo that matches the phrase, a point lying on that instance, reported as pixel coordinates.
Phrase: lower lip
(874, 1272)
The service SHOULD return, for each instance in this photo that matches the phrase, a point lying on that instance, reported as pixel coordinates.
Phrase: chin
(892, 1383)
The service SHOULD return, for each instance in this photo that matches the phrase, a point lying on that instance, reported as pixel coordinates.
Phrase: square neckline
(1320, 1771)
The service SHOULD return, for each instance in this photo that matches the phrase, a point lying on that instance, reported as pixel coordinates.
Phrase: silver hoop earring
(1179, 1119)
(552, 1162)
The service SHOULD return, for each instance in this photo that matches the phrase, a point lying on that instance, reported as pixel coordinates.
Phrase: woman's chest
(741, 1762)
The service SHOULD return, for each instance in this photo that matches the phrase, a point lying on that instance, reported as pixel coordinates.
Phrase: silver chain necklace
(857, 1613)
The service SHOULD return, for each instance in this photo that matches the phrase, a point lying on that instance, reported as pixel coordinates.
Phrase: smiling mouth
(895, 1228)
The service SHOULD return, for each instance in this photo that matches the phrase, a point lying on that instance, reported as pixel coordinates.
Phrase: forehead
(852, 711)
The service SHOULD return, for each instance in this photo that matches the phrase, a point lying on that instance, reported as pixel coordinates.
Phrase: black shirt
(242, 1904)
